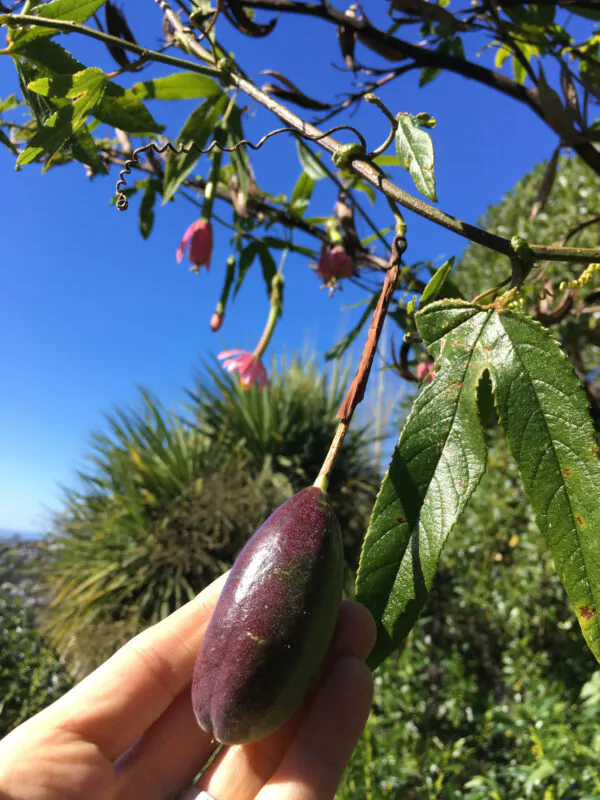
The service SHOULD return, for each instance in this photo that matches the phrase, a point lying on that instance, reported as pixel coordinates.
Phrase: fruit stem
(322, 481)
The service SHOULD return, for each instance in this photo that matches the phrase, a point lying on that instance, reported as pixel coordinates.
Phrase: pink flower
(424, 371)
(334, 264)
(248, 367)
(199, 235)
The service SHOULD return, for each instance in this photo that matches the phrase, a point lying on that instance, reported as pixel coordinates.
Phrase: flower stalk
(274, 314)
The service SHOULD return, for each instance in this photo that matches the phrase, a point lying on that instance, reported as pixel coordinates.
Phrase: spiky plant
(289, 429)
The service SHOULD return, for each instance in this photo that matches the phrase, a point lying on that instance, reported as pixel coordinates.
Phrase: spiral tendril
(122, 201)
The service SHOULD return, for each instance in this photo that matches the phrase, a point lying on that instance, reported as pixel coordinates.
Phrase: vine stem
(356, 392)
(363, 168)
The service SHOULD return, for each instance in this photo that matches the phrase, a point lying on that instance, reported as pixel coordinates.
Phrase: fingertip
(355, 632)
(355, 677)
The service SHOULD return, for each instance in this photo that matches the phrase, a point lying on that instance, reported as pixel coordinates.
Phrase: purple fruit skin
(273, 623)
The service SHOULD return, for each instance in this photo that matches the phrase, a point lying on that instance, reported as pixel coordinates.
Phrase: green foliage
(179, 86)
(31, 674)
(440, 458)
(436, 283)
(415, 151)
(495, 695)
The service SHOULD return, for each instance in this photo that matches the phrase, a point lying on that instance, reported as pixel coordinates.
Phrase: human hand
(128, 731)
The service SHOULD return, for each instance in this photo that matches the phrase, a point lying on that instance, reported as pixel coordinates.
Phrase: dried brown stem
(357, 389)
(356, 392)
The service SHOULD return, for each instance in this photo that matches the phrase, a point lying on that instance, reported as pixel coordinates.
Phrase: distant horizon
(9, 533)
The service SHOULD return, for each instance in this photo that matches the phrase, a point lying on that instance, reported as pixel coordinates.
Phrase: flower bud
(216, 320)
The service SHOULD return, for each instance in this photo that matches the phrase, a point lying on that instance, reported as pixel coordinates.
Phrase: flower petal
(229, 353)
(186, 237)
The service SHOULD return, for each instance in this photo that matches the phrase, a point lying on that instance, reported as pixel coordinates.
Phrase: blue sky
(89, 309)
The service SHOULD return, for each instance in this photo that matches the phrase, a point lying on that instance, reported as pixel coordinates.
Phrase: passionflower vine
(424, 371)
(334, 263)
(199, 236)
(247, 365)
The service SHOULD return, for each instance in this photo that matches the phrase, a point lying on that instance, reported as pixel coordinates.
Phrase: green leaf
(239, 157)
(198, 127)
(88, 86)
(228, 282)
(502, 53)
(122, 109)
(247, 257)
(52, 56)
(274, 242)
(387, 161)
(414, 149)
(340, 348)
(440, 457)
(41, 109)
(366, 188)
(519, 71)
(437, 464)
(429, 74)
(179, 86)
(434, 287)
(375, 237)
(84, 149)
(8, 103)
(301, 194)
(50, 138)
(146, 216)
(89, 82)
(544, 411)
(310, 162)
(269, 268)
(118, 107)
(65, 10)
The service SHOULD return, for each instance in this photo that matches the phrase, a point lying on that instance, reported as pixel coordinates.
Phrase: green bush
(31, 674)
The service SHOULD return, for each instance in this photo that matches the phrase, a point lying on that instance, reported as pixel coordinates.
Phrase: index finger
(114, 705)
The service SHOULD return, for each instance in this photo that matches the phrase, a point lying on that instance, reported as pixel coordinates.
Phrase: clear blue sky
(89, 309)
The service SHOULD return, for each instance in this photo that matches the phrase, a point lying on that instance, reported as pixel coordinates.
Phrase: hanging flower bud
(199, 236)
(216, 320)
(334, 263)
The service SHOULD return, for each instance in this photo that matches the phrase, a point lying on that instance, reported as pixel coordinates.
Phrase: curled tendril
(122, 201)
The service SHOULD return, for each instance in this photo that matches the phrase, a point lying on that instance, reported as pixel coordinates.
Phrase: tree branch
(360, 167)
(393, 49)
